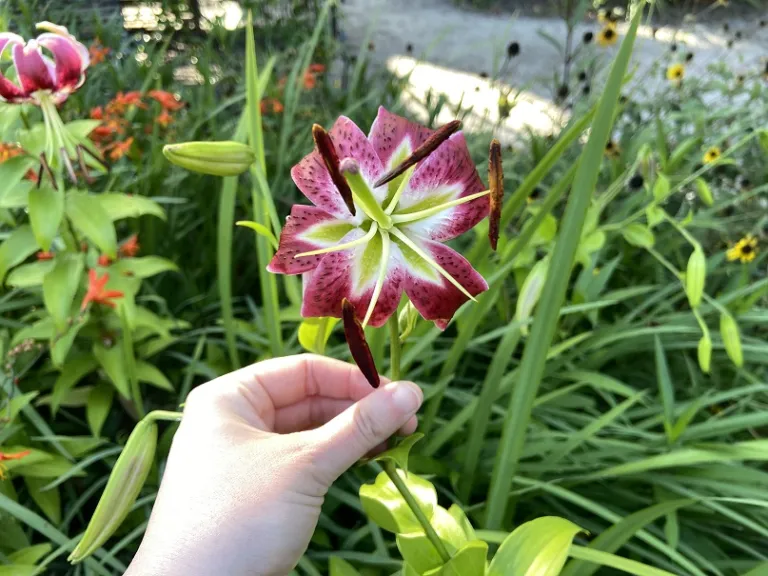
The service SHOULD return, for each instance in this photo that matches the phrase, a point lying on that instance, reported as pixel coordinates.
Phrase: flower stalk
(429, 531)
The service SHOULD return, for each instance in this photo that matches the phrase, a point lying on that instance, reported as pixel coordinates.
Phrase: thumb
(364, 426)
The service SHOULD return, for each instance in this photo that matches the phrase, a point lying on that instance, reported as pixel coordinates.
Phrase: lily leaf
(537, 548)
(469, 561)
(384, 505)
(399, 454)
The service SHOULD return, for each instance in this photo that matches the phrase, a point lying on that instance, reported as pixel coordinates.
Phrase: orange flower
(317, 68)
(11, 456)
(107, 130)
(31, 175)
(272, 105)
(97, 293)
(119, 149)
(97, 113)
(164, 118)
(310, 81)
(97, 52)
(104, 260)
(122, 101)
(8, 151)
(130, 247)
(167, 100)
(44, 255)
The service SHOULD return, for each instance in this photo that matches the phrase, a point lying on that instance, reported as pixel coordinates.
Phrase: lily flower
(97, 291)
(369, 236)
(130, 247)
(167, 100)
(45, 71)
(7, 456)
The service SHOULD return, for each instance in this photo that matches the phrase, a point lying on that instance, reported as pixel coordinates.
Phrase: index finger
(290, 379)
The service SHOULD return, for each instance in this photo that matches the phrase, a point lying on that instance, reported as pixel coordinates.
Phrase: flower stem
(429, 531)
(164, 415)
(394, 348)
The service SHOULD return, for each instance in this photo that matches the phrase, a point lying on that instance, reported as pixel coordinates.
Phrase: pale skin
(254, 456)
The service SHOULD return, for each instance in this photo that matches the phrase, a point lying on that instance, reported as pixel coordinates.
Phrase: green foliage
(612, 379)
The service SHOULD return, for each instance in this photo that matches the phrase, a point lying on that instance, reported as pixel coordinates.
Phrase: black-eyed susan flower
(612, 149)
(588, 37)
(513, 49)
(711, 155)
(536, 193)
(744, 250)
(636, 182)
(608, 35)
(676, 73)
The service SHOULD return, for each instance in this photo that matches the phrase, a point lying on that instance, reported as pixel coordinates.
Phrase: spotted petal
(69, 58)
(312, 177)
(34, 70)
(394, 138)
(446, 175)
(8, 90)
(433, 295)
(306, 229)
(353, 274)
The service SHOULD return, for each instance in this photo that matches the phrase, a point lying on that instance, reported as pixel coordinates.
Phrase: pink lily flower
(41, 80)
(393, 242)
(46, 70)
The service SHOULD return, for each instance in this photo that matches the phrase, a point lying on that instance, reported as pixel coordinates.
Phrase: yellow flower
(744, 250)
(612, 149)
(711, 155)
(608, 35)
(675, 73)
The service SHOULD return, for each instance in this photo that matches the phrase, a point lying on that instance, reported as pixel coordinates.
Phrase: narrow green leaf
(112, 361)
(98, 407)
(16, 248)
(60, 286)
(46, 209)
(605, 559)
(120, 206)
(545, 321)
(89, 218)
(666, 390)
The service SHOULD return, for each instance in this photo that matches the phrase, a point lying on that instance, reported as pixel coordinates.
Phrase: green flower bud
(123, 487)
(406, 320)
(729, 332)
(705, 353)
(695, 276)
(216, 158)
(704, 191)
(661, 188)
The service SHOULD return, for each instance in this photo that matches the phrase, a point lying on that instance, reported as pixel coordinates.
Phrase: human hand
(253, 458)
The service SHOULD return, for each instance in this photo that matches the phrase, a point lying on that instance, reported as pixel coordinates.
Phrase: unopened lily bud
(695, 276)
(729, 332)
(406, 320)
(123, 487)
(215, 158)
(705, 193)
(705, 353)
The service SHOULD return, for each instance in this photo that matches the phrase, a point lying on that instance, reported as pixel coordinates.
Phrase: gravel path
(453, 48)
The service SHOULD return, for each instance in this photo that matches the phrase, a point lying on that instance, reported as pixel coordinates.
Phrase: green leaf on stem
(469, 561)
(399, 454)
(16, 248)
(384, 505)
(60, 286)
(46, 209)
(541, 544)
(92, 221)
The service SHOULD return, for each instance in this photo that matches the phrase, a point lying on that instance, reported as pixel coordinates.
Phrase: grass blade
(535, 353)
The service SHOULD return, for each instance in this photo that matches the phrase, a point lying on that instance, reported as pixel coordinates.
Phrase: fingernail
(407, 397)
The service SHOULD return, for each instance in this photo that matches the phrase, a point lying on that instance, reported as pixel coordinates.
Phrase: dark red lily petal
(355, 335)
(34, 72)
(331, 160)
(69, 61)
(430, 145)
(496, 185)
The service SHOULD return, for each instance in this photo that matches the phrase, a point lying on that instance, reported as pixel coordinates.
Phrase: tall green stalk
(260, 196)
(545, 321)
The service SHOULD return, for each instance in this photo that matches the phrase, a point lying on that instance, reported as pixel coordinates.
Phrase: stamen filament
(400, 190)
(363, 194)
(422, 214)
(412, 245)
(385, 243)
(338, 247)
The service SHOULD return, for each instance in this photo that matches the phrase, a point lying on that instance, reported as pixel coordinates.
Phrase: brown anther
(430, 145)
(496, 185)
(331, 160)
(355, 335)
